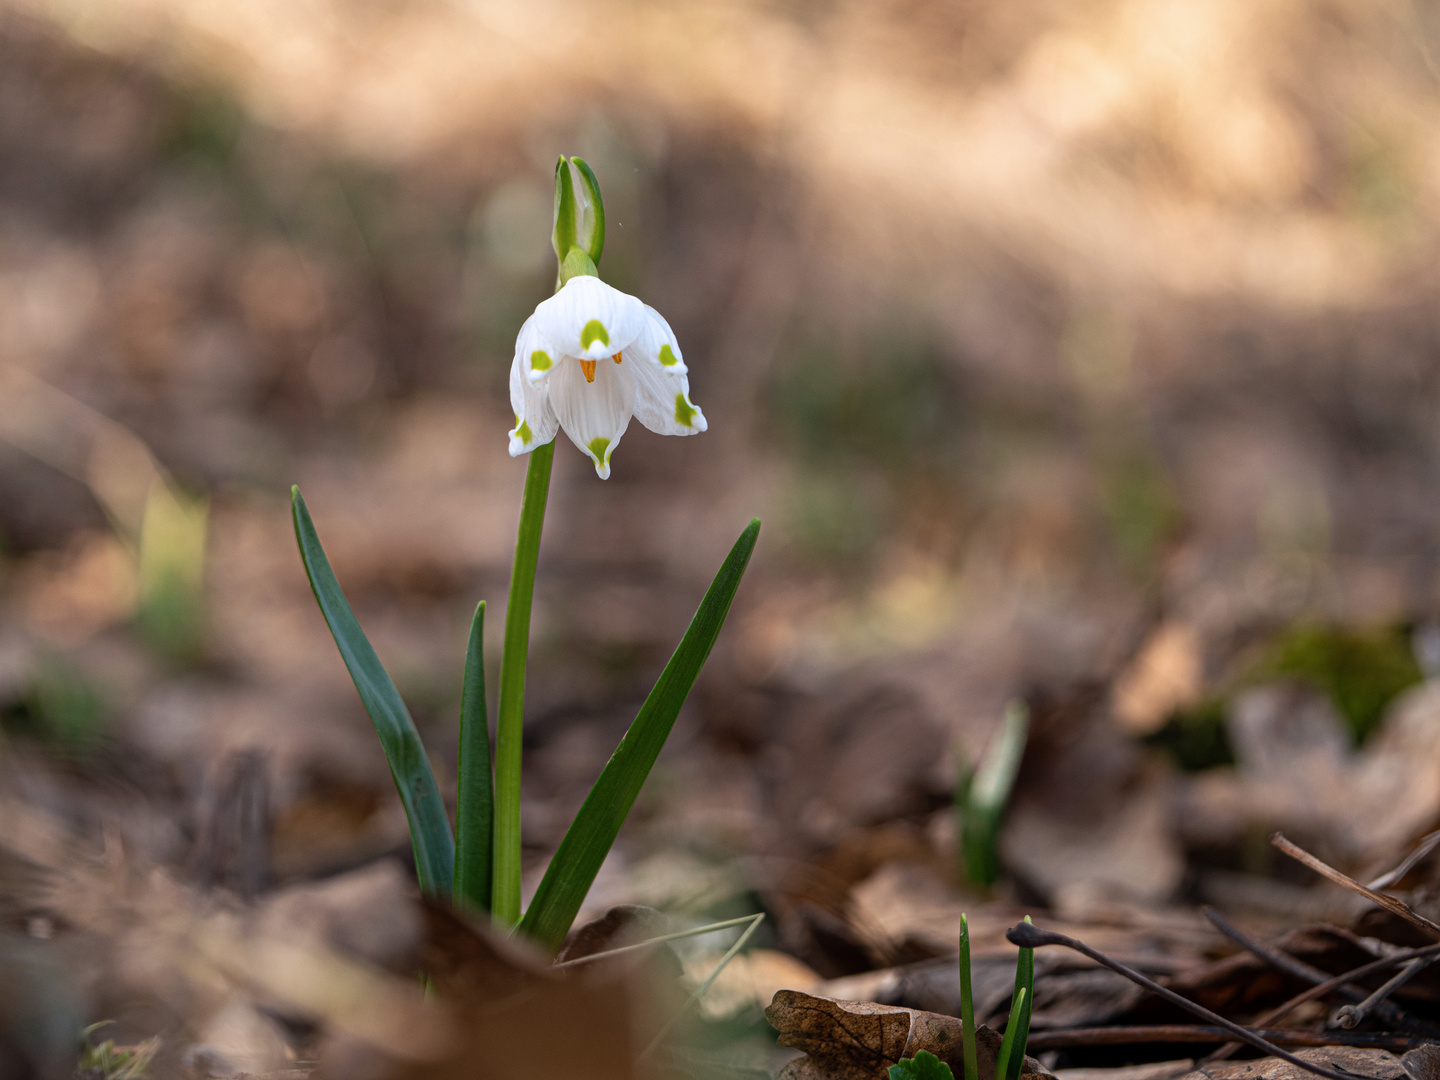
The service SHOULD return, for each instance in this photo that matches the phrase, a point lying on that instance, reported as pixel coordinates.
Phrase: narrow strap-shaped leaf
(595, 827)
(475, 795)
(429, 825)
(1012, 1030)
(1025, 990)
(967, 1006)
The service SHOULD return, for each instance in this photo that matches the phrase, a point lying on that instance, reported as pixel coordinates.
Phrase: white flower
(589, 359)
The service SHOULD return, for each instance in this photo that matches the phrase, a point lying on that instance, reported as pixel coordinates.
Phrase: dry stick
(1350, 1015)
(734, 950)
(1392, 904)
(1028, 936)
(1427, 844)
(1330, 985)
(1305, 972)
(1196, 1033)
(694, 931)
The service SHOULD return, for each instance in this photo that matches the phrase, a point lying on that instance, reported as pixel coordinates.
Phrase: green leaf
(1025, 991)
(923, 1066)
(1012, 1031)
(595, 827)
(475, 794)
(410, 768)
(967, 1005)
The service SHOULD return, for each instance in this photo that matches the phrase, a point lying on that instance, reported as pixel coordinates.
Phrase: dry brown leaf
(516, 1017)
(1380, 1064)
(860, 1040)
(1166, 674)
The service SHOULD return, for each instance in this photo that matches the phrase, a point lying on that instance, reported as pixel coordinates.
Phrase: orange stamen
(588, 366)
(616, 358)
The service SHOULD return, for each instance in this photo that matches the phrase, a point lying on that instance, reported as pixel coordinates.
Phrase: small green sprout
(110, 1062)
(1011, 1059)
(923, 1066)
(981, 797)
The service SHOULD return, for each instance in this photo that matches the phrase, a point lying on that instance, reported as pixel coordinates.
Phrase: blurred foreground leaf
(591, 834)
(410, 768)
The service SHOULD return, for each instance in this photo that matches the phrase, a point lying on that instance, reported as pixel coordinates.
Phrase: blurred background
(1082, 352)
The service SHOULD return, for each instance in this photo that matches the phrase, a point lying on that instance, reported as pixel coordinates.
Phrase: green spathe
(579, 221)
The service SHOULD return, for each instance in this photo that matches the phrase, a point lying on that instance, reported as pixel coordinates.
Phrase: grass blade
(1025, 991)
(475, 794)
(967, 1005)
(588, 840)
(410, 768)
(1012, 1030)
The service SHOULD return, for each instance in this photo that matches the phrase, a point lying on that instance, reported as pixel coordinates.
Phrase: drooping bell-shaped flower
(589, 359)
(591, 356)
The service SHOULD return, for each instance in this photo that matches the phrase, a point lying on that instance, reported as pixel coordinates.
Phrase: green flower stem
(505, 897)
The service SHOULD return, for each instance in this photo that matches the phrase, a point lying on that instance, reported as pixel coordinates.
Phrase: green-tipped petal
(594, 414)
(589, 319)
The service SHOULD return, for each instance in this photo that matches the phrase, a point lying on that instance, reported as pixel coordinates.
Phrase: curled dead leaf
(860, 1040)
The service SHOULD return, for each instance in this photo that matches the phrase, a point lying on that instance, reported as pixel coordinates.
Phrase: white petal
(589, 319)
(535, 421)
(594, 414)
(536, 356)
(662, 397)
(657, 342)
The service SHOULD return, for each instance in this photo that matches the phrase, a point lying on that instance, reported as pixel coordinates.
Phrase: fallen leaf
(1379, 1064)
(860, 1040)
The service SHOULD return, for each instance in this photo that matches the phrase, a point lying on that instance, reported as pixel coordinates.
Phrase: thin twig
(1351, 1015)
(1197, 1033)
(1029, 936)
(1329, 986)
(1392, 904)
(1427, 844)
(1299, 969)
(648, 942)
(755, 921)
